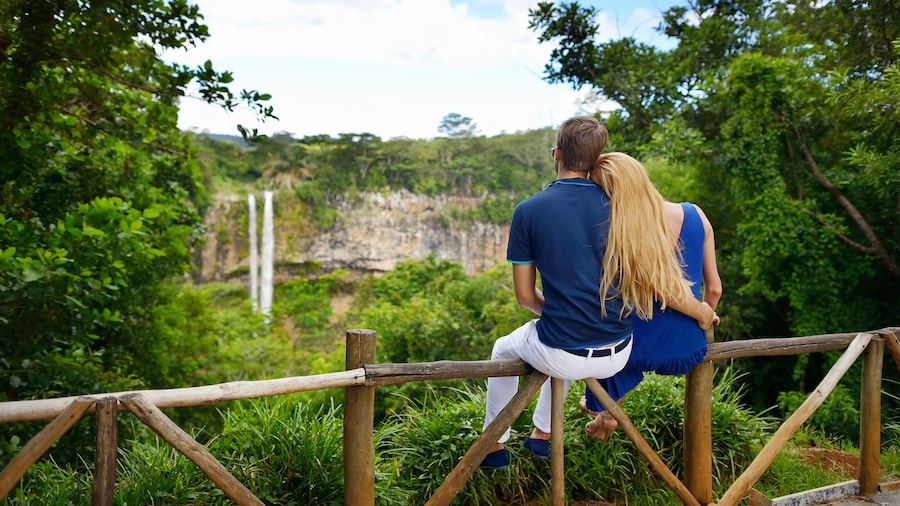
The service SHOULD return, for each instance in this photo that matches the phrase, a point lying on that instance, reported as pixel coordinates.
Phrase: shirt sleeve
(518, 248)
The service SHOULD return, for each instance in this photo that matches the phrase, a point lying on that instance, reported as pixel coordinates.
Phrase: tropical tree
(457, 126)
(792, 133)
(100, 193)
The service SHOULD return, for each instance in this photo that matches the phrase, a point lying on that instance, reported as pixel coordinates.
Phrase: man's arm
(525, 286)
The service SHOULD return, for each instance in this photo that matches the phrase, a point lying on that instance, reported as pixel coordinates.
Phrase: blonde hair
(640, 264)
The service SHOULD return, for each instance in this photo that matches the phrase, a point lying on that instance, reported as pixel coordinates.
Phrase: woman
(622, 249)
(670, 343)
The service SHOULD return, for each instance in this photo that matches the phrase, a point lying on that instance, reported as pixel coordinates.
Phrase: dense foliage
(790, 131)
(100, 193)
(503, 168)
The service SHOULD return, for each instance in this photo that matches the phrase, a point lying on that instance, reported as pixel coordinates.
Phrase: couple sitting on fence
(600, 237)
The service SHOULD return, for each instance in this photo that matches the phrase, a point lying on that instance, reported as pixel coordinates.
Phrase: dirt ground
(842, 463)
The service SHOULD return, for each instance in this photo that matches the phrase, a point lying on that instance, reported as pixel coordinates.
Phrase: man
(562, 232)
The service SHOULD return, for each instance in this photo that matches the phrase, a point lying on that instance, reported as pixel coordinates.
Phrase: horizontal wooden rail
(393, 374)
(44, 409)
(370, 375)
(778, 346)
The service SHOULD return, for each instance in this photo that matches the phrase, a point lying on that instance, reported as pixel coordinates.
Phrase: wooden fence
(362, 376)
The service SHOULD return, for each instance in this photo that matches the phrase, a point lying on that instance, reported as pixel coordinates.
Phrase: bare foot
(582, 403)
(602, 426)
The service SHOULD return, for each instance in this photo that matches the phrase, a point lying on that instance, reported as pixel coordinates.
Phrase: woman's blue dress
(671, 343)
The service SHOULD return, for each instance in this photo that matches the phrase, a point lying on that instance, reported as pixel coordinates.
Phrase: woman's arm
(712, 283)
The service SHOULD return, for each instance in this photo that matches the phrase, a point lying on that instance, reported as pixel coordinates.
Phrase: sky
(393, 68)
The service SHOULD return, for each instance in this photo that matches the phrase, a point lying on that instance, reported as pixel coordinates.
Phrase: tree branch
(70, 113)
(877, 249)
(868, 250)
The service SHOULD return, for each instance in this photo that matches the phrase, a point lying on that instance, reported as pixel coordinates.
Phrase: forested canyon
(372, 233)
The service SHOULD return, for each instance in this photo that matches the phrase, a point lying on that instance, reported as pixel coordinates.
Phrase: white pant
(523, 344)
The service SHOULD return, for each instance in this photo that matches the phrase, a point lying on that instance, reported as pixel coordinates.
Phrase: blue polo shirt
(562, 230)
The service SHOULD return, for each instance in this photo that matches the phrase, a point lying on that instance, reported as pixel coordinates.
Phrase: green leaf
(30, 275)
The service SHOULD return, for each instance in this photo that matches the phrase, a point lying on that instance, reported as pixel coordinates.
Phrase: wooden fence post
(359, 424)
(870, 417)
(557, 455)
(697, 432)
(104, 485)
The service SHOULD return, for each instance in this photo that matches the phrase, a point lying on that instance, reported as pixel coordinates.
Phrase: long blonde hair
(640, 264)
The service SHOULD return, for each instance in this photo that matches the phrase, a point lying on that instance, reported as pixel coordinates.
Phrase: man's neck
(566, 173)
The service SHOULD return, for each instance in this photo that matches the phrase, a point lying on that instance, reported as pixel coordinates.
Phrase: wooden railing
(362, 376)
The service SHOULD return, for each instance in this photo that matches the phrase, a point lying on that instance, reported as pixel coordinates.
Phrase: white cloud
(387, 67)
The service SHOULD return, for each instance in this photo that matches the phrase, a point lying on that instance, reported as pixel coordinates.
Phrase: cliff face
(371, 234)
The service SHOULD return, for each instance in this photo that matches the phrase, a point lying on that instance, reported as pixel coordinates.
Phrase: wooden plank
(41, 442)
(457, 478)
(655, 462)
(359, 420)
(764, 458)
(104, 486)
(184, 443)
(386, 374)
(370, 375)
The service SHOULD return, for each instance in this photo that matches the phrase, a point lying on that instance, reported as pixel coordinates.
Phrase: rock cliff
(372, 233)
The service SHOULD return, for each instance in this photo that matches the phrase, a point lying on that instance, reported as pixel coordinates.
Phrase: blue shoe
(496, 460)
(540, 448)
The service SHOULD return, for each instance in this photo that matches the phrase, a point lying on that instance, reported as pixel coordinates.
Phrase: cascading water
(268, 254)
(254, 255)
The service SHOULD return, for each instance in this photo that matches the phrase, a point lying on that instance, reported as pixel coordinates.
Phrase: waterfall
(268, 254)
(254, 259)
